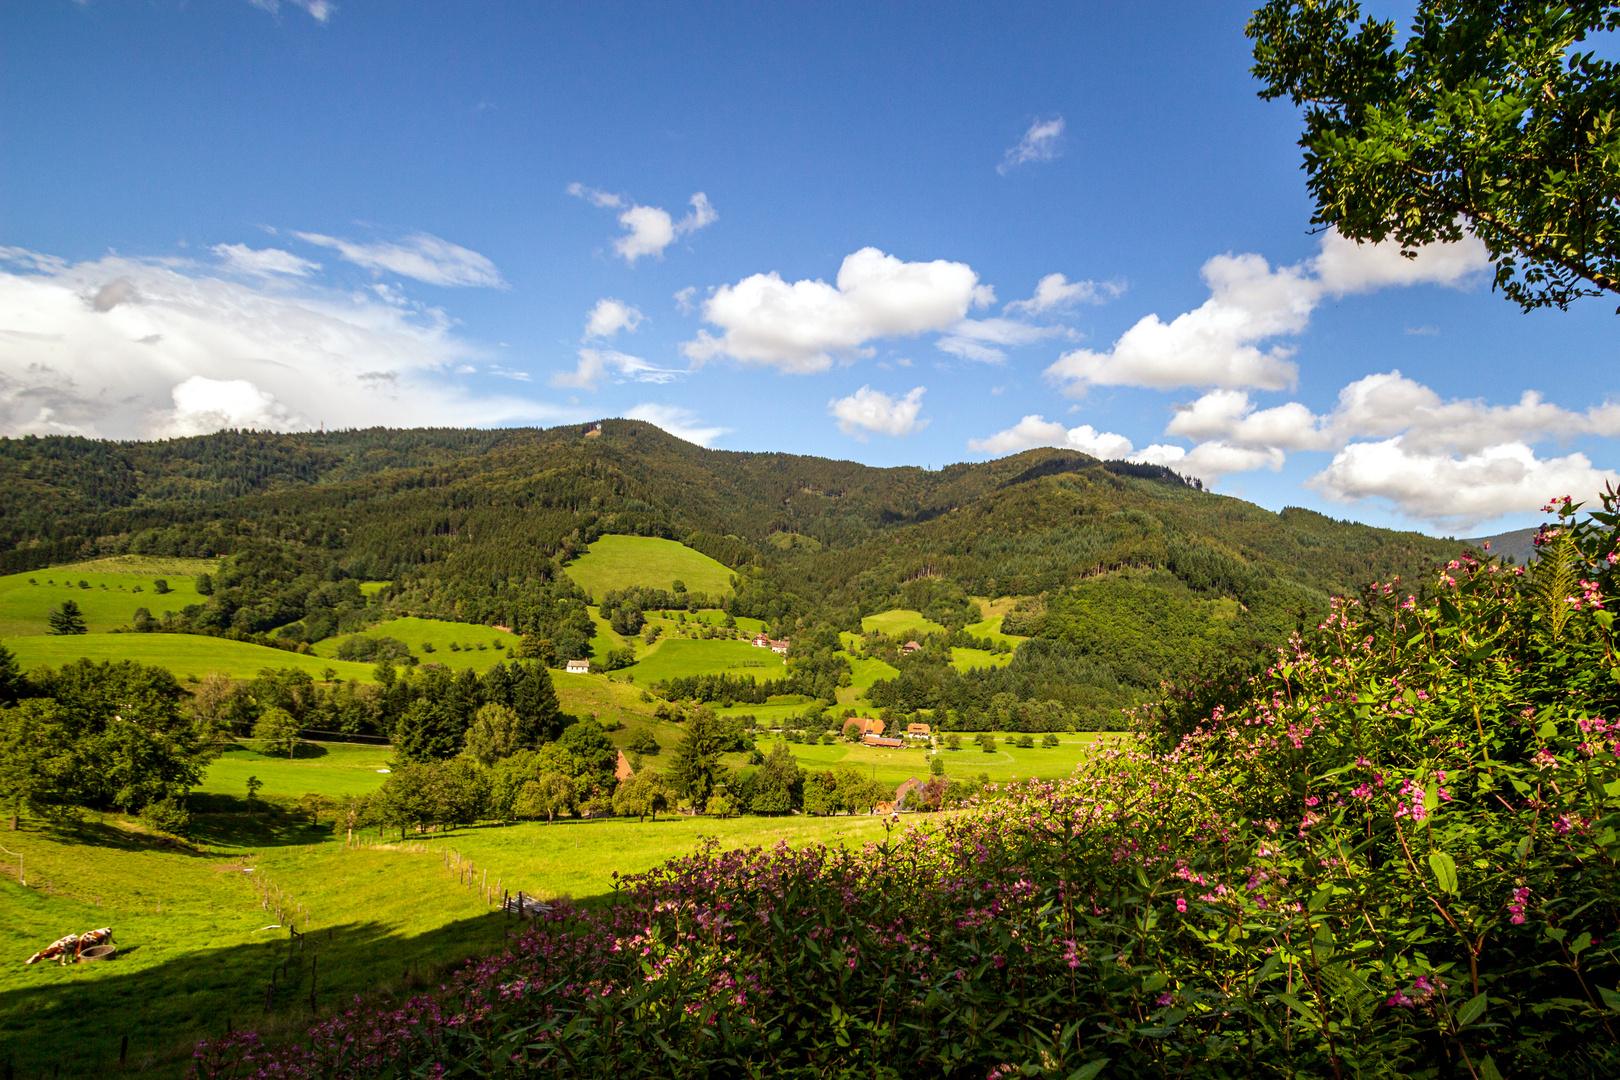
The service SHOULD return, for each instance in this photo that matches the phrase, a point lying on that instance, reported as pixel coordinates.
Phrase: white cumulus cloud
(1054, 292)
(802, 326)
(1035, 430)
(1458, 491)
(679, 422)
(1040, 143)
(422, 256)
(1224, 342)
(648, 229)
(872, 410)
(128, 348)
(608, 317)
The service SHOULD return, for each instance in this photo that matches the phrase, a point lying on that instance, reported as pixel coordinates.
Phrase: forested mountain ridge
(478, 525)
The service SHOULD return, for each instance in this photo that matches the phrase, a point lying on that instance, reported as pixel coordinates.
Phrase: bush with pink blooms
(1392, 853)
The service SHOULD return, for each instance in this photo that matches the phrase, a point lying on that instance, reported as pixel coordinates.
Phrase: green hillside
(677, 658)
(1129, 572)
(183, 654)
(108, 598)
(476, 647)
(626, 562)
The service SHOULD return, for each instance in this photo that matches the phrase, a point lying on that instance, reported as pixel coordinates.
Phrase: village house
(918, 731)
(868, 726)
(579, 667)
(879, 740)
(778, 647)
(910, 647)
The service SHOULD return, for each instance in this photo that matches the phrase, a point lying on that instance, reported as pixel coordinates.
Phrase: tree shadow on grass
(75, 1019)
(231, 821)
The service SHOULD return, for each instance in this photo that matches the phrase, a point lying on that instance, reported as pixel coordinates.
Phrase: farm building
(910, 647)
(879, 740)
(918, 731)
(761, 641)
(579, 667)
(868, 726)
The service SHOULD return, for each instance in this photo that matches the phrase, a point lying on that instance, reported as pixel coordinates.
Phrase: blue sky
(825, 229)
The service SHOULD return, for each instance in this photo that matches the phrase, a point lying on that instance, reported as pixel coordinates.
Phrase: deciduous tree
(1490, 117)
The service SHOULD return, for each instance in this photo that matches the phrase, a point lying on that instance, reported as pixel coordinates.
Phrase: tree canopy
(1488, 118)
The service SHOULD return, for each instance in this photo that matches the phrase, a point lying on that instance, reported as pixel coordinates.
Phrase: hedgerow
(1392, 855)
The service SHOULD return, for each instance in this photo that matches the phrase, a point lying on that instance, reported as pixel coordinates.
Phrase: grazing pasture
(184, 654)
(900, 623)
(108, 601)
(1007, 762)
(620, 562)
(477, 647)
(333, 769)
(683, 657)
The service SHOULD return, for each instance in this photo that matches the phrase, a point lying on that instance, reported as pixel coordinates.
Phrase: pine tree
(697, 759)
(66, 618)
(534, 700)
(12, 683)
(426, 732)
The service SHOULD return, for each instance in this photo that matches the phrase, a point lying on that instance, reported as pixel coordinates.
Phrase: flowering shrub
(1392, 855)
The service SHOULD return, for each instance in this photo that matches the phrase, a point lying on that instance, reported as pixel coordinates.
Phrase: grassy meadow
(108, 601)
(900, 623)
(331, 769)
(198, 947)
(619, 562)
(1007, 762)
(674, 657)
(477, 647)
(184, 654)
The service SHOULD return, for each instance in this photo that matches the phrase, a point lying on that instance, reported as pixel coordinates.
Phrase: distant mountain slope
(1518, 545)
(478, 525)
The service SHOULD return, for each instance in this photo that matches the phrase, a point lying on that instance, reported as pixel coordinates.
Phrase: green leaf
(1610, 998)
(1548, 730)
(1445, 871)
(1089, 1070)
(1580, 944)
(1431, 797)
(1471, 1010)
(1523, 850)
(1320, 900)
(1487, 1069)
(1154, 982)
(1298, 1006)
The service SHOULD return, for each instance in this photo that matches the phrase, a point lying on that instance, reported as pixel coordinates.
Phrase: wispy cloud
(422, 256)
(1042, 142)
(679, 422)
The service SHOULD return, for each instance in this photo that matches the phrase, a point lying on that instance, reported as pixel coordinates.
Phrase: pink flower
(1181, 904)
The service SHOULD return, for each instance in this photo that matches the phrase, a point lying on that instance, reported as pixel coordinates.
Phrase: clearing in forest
(621, 562)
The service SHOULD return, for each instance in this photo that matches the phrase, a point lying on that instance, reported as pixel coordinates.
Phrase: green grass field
(682, 657)
(195, 945)
(331, 769)
(618, 562)
(197, 948)
(966, 659)
(110, 601)
(183, 654)
(900, 623)
(1008, 762)
(578, 859)
(441, 635)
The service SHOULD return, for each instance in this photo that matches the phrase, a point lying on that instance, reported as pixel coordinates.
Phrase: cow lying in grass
(67, 949)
